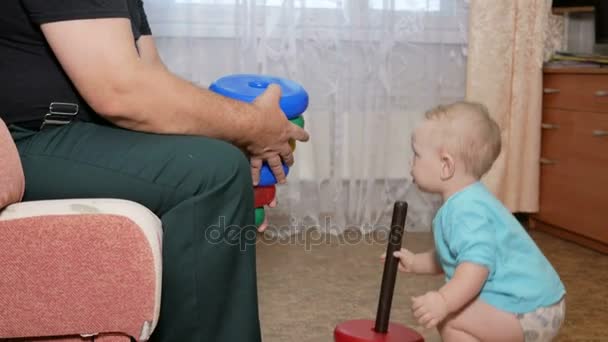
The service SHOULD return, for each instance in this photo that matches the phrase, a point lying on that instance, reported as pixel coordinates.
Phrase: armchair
(75, 269)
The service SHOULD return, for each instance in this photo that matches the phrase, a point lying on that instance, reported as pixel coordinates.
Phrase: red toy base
(362, 330)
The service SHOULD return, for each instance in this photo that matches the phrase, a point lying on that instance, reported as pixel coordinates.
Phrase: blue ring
(267, 178)
(247, 87)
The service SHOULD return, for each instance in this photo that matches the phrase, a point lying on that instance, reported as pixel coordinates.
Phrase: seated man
(143, 134)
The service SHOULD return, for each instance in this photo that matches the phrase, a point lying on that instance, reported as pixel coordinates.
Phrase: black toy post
(390, 267)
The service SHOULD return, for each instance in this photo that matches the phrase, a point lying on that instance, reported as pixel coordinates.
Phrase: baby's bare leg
(479, 321)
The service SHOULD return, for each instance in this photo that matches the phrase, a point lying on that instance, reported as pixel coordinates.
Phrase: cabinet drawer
(581, 136)
(574, 196)
(576, 91)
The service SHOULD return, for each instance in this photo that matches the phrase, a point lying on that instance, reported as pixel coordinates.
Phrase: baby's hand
(406, 260)
(264, 224)
(430, 308)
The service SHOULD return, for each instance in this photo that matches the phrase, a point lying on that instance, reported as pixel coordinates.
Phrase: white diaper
(544, 323)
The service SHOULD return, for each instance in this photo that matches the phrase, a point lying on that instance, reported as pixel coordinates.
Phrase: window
(270, 3)
(398, 5)
(406, 5)
(433, 20)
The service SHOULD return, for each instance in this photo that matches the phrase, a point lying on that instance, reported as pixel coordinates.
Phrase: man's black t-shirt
(30, 75)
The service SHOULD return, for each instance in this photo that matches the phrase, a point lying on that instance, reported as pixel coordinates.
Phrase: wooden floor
(308, 286)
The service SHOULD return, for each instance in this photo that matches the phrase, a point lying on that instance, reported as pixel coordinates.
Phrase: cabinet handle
(601, 93)
(546, 161)
(550, 90)
(600, 133)
(549, 126)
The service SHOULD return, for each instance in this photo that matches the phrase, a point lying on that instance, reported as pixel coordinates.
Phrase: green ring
(260, 214)
(298, 121)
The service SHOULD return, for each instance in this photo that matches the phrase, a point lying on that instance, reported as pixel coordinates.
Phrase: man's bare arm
(133, 93)
(146, 46)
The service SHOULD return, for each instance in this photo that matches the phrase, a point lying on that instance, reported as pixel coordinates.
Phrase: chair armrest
(79, 267)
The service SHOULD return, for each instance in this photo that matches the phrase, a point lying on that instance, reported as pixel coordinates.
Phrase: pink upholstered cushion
(12, 181)
(75, 274)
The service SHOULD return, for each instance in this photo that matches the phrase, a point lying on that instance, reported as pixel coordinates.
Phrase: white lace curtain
(371, 68)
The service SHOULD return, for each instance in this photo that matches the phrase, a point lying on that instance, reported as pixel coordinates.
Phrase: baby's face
(426, 163)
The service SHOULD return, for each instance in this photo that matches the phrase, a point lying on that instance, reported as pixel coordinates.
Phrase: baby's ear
(448, 165)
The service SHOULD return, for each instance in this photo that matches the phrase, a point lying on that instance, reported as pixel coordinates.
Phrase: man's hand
(406, 260)
(273, 132)
(430, 308)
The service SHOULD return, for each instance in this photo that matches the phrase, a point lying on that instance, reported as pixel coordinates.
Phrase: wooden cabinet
(574, 157)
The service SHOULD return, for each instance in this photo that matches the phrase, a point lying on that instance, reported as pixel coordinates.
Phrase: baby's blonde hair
(468, 132)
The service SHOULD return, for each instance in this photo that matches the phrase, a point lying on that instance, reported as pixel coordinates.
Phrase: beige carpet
(307, 286)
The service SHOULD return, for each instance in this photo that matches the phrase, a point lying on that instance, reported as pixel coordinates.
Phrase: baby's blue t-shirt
(474, 226)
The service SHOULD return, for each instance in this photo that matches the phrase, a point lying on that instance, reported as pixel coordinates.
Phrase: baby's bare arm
(427, 263)
(420, 263)
(464, 286)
